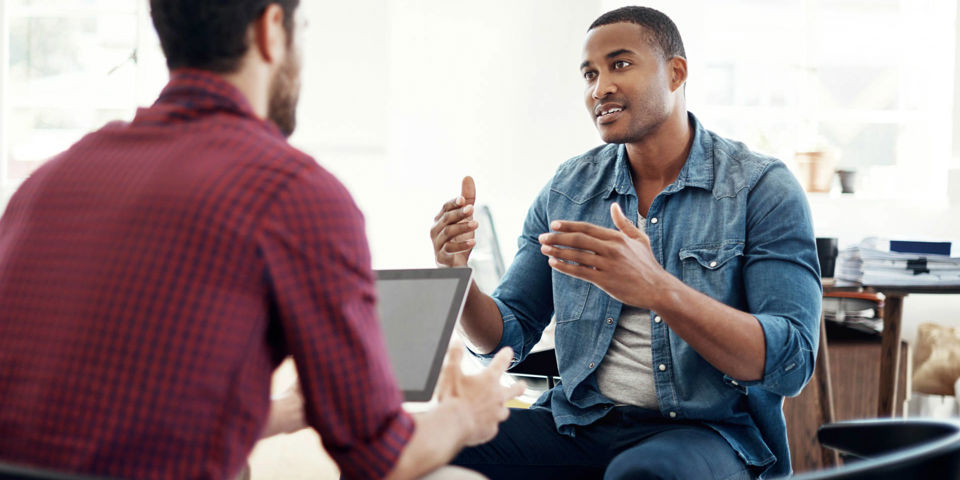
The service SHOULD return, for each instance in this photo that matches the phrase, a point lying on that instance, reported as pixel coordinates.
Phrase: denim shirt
(734, 225)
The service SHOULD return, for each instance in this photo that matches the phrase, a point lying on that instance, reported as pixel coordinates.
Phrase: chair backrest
(893, 449)
(486, 259)
(21, 472)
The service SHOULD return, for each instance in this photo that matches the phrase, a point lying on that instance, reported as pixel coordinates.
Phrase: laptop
(418, 309)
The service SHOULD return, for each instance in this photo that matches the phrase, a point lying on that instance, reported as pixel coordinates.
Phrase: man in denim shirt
(682, 272)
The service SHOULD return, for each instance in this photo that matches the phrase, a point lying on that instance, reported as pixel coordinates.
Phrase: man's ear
(678, 72)
(269, 34)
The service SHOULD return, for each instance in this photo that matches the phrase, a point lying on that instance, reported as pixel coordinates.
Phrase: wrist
(670, 294)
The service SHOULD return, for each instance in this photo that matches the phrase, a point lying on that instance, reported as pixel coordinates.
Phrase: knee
(626, 466)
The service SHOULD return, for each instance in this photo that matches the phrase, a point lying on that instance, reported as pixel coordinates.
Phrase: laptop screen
(418, 309)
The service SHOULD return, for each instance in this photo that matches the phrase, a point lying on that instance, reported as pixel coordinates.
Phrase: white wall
(403, 98)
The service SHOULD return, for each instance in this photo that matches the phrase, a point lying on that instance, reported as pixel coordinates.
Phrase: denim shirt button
(662, 367)
(654, 220)
(591, 365)
(609, 321)
(657, 319)
(673, 414)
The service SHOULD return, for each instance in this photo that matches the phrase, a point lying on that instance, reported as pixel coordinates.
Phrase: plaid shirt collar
(191, 93)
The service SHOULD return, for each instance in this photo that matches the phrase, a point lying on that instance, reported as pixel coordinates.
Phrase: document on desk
(868, 265)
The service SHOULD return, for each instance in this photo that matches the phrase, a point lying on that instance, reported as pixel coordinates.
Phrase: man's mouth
(607, 112)
(604, 113)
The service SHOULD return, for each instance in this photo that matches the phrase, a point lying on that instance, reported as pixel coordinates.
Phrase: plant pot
(848, 180)
(815, 170)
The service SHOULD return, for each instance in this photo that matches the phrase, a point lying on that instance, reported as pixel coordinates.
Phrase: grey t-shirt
(626, 373)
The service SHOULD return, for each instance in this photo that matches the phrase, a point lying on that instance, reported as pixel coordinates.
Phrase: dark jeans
(628, 443)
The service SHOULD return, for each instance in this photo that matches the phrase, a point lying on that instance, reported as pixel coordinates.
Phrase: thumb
(468, 190)
(448, 383)
(622, 223)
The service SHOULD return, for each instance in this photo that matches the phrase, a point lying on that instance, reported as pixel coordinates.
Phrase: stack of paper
(868, 264)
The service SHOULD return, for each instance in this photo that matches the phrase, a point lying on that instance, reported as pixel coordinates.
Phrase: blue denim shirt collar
(697, 171)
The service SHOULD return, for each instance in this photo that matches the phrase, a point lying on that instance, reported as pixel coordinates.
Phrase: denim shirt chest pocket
(582, 203)
(572, 295)
(713, 268)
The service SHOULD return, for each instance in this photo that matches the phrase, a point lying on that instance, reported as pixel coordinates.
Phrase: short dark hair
(663, 31)
(210, 34)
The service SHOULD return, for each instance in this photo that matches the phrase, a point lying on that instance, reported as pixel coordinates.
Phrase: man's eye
(589, 75)
(620, 64)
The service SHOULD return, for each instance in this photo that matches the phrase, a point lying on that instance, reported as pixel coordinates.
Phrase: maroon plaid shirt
(153, 276)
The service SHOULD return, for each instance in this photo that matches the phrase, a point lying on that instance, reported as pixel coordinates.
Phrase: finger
(455, 353)
(577, 271)
(463, 237)
(446, 380)
(582, 241)
(456, 215)
(458, 247)
(498, 366)
(448, 377)
(623, 223)
(468, 190)
(587, 259)
(452, 367)
(584, 227)
(451, 232)
(503, 414)
(439, 223)
(454, 230)
(452, 204)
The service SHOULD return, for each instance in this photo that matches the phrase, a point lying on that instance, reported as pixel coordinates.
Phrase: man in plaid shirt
(154, 275)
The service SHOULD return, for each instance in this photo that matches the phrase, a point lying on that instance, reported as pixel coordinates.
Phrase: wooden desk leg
(890, 355)
(828, 456)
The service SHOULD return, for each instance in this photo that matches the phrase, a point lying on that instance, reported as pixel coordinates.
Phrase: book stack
(899, 263)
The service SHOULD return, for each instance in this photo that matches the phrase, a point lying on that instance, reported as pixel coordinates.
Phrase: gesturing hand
(620, 262)
(454, 228)
(481, 396)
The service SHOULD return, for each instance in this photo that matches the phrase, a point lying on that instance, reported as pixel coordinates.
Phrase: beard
(646, 118)
(636, 131)
(647, 111)
(285, 93)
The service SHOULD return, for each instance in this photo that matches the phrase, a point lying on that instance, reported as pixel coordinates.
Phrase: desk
(892, 315)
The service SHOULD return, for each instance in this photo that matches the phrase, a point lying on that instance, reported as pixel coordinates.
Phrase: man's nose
(603, 87)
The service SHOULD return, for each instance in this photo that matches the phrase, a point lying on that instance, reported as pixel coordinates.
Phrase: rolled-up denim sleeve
(782, 280)
(525, 293)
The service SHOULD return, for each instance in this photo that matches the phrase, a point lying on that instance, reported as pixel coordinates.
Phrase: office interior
(402, 98)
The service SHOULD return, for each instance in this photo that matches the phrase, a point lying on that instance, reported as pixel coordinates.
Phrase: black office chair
(20, 472)
(892, 449)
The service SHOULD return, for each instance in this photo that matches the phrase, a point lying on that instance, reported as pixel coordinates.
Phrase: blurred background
(402, 98)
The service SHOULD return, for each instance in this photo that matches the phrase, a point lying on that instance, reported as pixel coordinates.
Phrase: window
(871, 80)
(70, 66)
